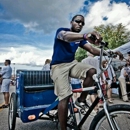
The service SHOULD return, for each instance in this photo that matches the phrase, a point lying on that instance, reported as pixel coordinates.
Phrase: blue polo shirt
(64, 52)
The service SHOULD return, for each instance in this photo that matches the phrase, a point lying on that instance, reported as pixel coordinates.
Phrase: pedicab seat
(35, 92)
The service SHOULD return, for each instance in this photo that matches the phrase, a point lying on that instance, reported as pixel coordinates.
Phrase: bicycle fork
(111, 121)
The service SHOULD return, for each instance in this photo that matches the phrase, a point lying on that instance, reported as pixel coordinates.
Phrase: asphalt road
(39, 124)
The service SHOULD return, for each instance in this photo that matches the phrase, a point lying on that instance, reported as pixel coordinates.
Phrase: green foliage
(114, 35)
(80, 54)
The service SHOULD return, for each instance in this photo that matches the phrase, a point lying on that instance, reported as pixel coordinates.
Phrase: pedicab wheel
(12, 112)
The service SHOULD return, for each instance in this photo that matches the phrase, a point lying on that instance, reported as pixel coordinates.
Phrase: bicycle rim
(120, 118)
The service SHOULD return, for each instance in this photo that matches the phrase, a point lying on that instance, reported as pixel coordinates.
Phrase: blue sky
(27, 27)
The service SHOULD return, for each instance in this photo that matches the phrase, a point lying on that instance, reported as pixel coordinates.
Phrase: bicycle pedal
(70, 120)
(83, 111)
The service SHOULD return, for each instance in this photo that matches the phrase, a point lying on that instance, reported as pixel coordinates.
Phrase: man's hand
(93, 37)
(121, 57)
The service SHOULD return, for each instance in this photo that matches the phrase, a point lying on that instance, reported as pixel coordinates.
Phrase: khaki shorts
(60, 74)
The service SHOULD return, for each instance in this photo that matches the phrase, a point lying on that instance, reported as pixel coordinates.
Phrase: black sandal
(4, 106)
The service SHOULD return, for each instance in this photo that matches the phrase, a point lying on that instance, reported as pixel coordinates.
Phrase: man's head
(77, 23)
(7, 62)
(48, 61)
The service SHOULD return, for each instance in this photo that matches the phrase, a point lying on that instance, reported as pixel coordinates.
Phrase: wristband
(85, 36)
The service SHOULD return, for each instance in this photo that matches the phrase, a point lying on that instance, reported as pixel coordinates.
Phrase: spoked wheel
(119, 117)
(12, 112)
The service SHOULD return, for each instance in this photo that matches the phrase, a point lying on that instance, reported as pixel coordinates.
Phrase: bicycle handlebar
(110, 54)
(103, 44)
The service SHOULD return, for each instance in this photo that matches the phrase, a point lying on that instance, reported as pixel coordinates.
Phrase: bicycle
(109, 117)
(29, 103)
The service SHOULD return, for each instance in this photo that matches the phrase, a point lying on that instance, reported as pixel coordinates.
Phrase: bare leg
(6, 97)
(109, 93)
(92, 98)
(74, 96)
(88, 81)
(63, 112)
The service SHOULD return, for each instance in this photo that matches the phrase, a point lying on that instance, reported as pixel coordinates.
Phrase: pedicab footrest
(39, 88)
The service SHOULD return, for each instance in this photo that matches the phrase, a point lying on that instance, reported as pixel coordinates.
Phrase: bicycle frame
(96, 77)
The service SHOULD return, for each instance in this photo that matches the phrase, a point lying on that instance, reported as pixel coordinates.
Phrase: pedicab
(33, 97)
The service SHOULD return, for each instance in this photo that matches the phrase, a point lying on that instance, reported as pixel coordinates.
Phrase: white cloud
(115, 12)
(46, 15)
(34, 15)
(28, 55)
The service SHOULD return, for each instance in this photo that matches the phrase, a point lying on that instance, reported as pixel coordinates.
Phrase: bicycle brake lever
(104, 43)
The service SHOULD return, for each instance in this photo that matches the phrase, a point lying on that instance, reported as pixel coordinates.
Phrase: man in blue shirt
(63, 65)
(6, 73)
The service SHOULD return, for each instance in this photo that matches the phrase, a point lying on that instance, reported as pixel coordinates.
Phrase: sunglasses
(79, 21)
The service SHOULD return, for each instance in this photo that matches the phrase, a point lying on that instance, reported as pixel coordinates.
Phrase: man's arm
(121, 57)
(93, 50)
(69, 36)
(96, 51)
(124, 72)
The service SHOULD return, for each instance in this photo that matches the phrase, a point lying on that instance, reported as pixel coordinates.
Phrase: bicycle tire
(119, 112)
(12, 113)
